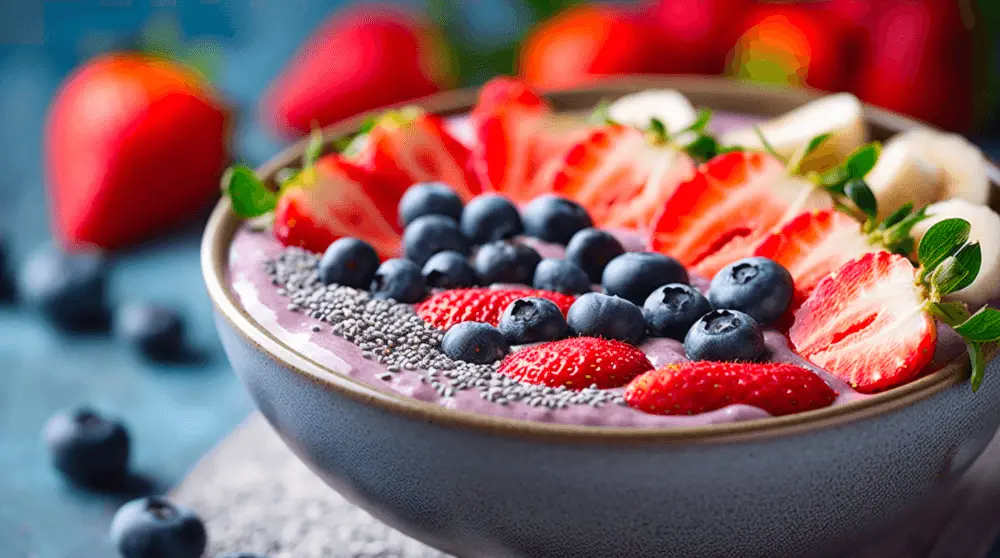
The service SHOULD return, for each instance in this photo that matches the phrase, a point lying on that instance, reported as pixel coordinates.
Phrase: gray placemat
(256, 496)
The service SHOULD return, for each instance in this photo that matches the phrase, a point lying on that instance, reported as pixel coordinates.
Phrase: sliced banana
(985, 230)
(965, 168)
(903, 174)
(666, 105)
(840, 115)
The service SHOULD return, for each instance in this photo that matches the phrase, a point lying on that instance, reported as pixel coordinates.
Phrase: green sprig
(248, 195)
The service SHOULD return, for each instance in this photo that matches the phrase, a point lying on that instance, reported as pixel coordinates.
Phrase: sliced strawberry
(447, 308)
(577, 363)
(502, 93)
(691, 388)
(736, 244)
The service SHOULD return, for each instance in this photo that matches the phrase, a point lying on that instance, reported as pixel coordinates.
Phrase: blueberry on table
(592, 249)
(490, 217)
(725, 335)
(156, 331)
(672, 309)
(561, 276)
(633, 275)
(154, 527)
(531, 320)
(506, 262)
(756, 286)
(474, 342)
(609, 317)
(554, 219)
(87, 449)
(431, 234)
(399, 280)
(449, 270)
(429, 198)
(70, 290)
(349, 262)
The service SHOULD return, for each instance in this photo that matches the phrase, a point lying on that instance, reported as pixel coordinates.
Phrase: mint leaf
(833, 180)
(815, 144)
(896, 216)
(951, 313)
(703, 148)
(862, 196)
(704, 117)
(982, 327)
(658, 129)
(313, 149)
(767, 145)
(971, 258)
(248, 195)
(940, 241)
(978, 364)
(949, 273)
(861, 162)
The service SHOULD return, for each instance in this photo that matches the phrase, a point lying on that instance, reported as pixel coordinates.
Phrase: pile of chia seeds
(394, 335)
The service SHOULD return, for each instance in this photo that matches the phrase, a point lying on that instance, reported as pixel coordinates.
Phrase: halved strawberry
(577, 363)
(691, 388)
(447, 308)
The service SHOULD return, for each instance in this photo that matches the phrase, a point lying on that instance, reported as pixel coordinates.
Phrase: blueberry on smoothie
(633, 275)
(399, 280)
(154, 330)
(70, 290)
(756, 286)
(531, 320)
(87, 449)
(592, 249)
(506, 262)
(349, 262)
(672, 309)
(474, 342)
(154, 527)
(429, 198)
(449, 270)
(561, 276)
(725, 335)
(554, 219)
(610, 317)
(431, 234)
(490, 217)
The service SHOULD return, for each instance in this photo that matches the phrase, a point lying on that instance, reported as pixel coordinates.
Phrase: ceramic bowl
(811, 484)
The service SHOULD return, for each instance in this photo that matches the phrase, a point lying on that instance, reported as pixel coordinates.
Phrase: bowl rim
(223, 224)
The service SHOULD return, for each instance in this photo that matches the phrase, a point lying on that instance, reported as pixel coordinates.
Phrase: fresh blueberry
(474, 342)
(633, 275)
(429, 198)
(399, 280)
(155, 330)
(88, 449)
(154, 527)
(672, 309)
(610, 317)
(554, 219)
(592, 249)
(68, 289)
(431, 234)
(561, 276)
(530, 320)
(506, 262)
(756, 286)
(489, 218)
(349, 262)
(449, 270)
(723, 335)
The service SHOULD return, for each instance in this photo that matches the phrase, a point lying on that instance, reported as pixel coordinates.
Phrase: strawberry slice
(447, 308)
(577, 363)
(691, 388)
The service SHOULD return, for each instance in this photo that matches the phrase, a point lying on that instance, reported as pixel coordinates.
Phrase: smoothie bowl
(643, 331)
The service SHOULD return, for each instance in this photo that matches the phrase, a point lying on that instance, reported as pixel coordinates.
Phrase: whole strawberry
(447, 308)
(577, 363)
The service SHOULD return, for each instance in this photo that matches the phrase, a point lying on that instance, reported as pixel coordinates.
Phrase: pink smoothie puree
(252, 286)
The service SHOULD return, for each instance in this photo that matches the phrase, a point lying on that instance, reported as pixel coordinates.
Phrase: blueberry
(530, 320)
(474, 342)
(672, 309)
(561, 276)
(633, 275)
(756, 286)
(155, 330)
(88, 449)
(431, 234)
(70, 290)
(610, 317)
(399, 280)
(489, 218)
(429, 198)
(506, 262)
(724, 335)
(154, 527)
(449, 270)
(592, 249)
(349, 262)
(554, 219)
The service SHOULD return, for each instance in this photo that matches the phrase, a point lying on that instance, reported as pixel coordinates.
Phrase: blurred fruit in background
(696, 36)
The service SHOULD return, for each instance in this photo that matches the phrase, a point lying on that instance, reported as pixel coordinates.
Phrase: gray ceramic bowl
(811, 484)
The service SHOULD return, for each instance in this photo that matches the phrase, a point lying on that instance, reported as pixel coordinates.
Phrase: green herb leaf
(971, 258)
(730, 149)
(949, 273)
(767, 145)
(704, 117)
(896, 216)
(862, 196)
(249, 196)
(815, 144)
(833, 180)
(940, 241)
(982, 327)
(951, 313)
(658, 129)
(313, 149)
(861, 162)
(368, 125)
(704, 147)
(978, 364)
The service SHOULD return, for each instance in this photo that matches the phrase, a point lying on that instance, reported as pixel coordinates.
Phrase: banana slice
(666, 105)
(965, 168)
(902, 174)
(840, 115)
(985, 230)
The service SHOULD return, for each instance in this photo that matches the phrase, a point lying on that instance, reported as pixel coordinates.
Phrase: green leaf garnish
(699, 124)
(703, 148)
(248, 195)
(971, 258)
(861, 162)
(368, 125)
(977, 360)
(862, 196)
(314, 148)
(601, 115)
(982, 327)
(951, 313)
(730, 149)
(815, 144)
(943, 239)
(947, 275)
(658, 129)
(896, 216)
(767, 145)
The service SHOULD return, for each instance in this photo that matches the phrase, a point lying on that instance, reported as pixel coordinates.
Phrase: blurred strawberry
(696, 36)
(133, 145)
(361, 59)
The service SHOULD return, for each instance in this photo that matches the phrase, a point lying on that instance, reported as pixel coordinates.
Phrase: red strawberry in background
(133, 145)
(447, 308)
(577, 363)
(363, 58)
(696, 36)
